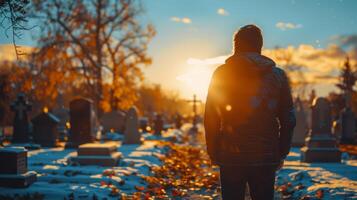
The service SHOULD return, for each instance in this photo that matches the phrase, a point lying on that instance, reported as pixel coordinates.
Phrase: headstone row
(82, 119)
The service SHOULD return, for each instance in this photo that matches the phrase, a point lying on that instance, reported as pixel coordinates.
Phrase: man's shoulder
(279, 73)
(219, 70)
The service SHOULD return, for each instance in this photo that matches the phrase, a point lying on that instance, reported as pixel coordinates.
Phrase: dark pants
(259, 178)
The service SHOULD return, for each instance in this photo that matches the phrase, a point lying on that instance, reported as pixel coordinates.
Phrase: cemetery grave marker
(45, 130)
(82, 122)
(21, 123)
(131, 133)
(158, 125)
(320, 144)
(13, 168)
(97, 154)
(114, 120)
(348, 126)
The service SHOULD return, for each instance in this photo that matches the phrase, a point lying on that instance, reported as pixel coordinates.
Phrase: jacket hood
(254, 61)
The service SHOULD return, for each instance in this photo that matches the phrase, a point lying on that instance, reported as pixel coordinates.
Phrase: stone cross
(21, 106)
(21, 123)
(194, 102)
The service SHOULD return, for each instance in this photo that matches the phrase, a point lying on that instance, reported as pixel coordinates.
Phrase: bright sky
(190, 32)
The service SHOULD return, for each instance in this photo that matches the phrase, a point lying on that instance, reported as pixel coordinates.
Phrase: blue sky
(209, 33)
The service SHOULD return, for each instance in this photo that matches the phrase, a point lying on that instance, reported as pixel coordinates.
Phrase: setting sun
(198, 78)
(199, 73)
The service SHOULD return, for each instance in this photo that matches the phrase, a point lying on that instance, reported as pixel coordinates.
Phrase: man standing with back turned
(249, 119)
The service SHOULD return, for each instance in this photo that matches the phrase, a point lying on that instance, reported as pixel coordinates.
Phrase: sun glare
(197, 78)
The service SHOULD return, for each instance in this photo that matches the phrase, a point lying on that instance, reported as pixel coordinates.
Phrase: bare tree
(285, 58)
(104, 42)
(13, 16)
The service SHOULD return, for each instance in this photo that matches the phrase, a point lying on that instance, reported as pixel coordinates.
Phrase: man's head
(248, 39)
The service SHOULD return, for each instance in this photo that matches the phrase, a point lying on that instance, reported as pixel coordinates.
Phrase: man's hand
(281, 164)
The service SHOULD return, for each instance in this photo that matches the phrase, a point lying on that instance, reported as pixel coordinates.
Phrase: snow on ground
(57, 178)
(330, 180)
(60, 179)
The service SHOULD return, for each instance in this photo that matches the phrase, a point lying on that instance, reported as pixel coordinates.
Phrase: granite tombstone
(158, 125)
(348, 126)
(97, 154)
(14, 173)
(82, 122)
(131, 133)
(320, 145)
(178, 121)
(45, 131)
(113, 121)
(21, 126)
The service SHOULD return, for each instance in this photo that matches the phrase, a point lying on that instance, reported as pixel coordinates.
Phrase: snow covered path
(326, 180)
(59, 179)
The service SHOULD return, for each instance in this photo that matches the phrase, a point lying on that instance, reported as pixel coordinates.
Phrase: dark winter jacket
(249, 115)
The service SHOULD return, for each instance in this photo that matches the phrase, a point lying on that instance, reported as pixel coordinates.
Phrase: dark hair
(248, 39)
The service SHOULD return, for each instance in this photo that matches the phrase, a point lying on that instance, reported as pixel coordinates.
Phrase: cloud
(184, 20)
(308, 56)
(287, 25)
(209, 61)
(176, 19)
(222, 11)
(318, 65)
(346, 40)
(315, 65)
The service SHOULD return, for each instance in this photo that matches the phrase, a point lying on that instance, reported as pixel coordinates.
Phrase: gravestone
(97, 154)
(320, 145)
(21, 122)
(45, 130)
(348, 126)
(158, 125)
(82, 122)
(131, 133)
(13, 168)
(178, 121)
(113, 121)
(301, 128)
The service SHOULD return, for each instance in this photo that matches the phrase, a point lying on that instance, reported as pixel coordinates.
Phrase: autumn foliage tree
(98, 45)
(14, 78)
